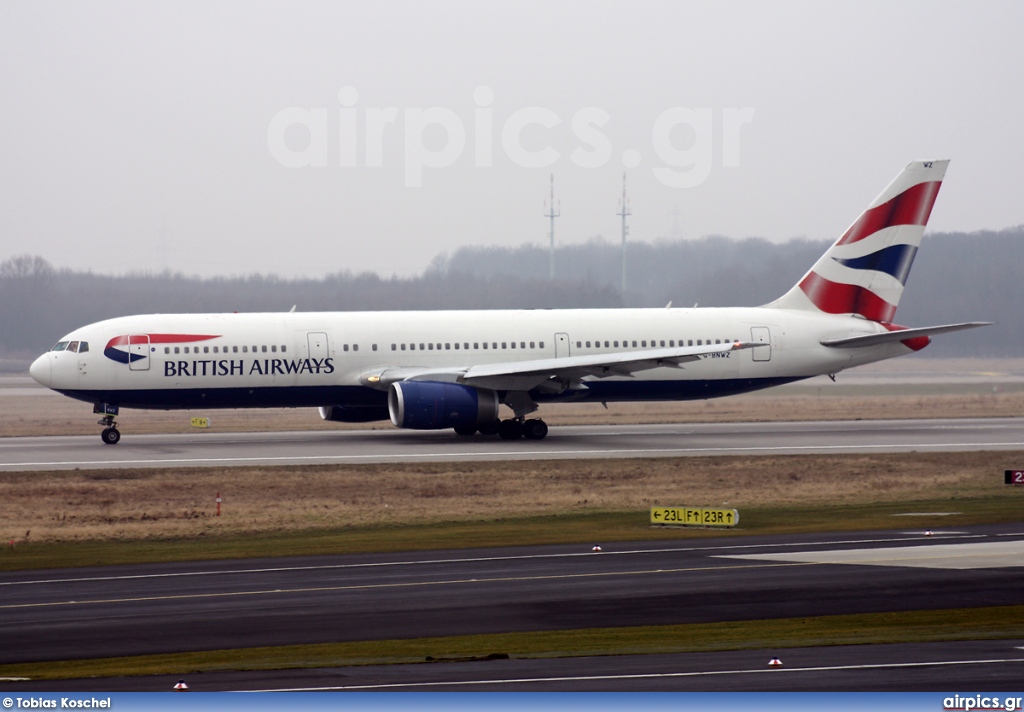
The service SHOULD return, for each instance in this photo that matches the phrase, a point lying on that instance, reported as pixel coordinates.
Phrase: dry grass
(168, 503)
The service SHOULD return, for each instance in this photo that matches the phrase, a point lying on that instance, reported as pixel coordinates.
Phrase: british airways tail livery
(431, 370)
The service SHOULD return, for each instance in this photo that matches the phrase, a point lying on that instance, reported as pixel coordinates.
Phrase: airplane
(432, 370)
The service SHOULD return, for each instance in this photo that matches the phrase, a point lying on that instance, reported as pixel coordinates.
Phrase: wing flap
(526, 375)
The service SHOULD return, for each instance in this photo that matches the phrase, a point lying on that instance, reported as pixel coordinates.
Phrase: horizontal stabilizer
(887, 337)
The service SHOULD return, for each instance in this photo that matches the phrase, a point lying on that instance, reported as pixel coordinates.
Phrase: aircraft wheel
(510, 430)
(490, 428)
(111, 436)
(465, 430)
(535, 429)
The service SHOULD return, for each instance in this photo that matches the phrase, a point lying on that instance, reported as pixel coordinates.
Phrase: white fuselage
(321, 359)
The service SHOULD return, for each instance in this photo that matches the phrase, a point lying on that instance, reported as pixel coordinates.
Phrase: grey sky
(138, 136)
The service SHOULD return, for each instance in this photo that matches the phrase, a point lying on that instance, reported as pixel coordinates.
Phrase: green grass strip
(914, 626)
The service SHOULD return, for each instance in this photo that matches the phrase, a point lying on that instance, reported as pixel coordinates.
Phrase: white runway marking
(480, 559)
(649, 676)
(983, 555)
(513, 454)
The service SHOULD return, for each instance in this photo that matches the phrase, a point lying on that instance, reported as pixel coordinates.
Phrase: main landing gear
(110, 435)
(511, 429)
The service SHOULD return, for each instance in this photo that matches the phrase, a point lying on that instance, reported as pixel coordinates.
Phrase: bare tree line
(956, 277)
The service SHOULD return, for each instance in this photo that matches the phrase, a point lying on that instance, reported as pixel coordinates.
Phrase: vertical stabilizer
(865, 271)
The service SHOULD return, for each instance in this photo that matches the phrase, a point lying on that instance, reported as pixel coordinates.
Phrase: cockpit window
(76, 346)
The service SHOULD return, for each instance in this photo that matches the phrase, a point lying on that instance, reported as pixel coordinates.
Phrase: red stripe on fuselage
(914, 343)
(163, 338)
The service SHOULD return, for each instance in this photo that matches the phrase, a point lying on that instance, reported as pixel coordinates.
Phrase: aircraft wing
(898, 335)
(568, 371)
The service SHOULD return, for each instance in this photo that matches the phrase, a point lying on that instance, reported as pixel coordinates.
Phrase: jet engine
(426, 405)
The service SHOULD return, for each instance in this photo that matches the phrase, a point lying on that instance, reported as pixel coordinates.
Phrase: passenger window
(485, 345)
(504, 345)
(532, 344)
(616, 344)
(448, 347)
(643, 344)
(374, 347)
(186, 349)
(167, 349)
(476, 345)
(542, 344)
(634, 344)
(494, 344)
(264, 348)
(403, 347)
(465, 345)
(234, 349)
(344, 347)
(355, 347)
(456, 345)
(176, 349)
(699, 343)
(588, 344)
(579, 344)
(513, 344)
(691, 343)
(283, 348)
(394, 347)
(245, 350)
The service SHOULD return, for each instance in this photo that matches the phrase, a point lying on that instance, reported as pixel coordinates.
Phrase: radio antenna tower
(624, 212)
(552, 213)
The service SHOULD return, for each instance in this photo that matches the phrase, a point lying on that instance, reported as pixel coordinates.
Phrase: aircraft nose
(40, 370)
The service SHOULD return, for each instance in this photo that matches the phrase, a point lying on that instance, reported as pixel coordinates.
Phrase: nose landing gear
(110, 435)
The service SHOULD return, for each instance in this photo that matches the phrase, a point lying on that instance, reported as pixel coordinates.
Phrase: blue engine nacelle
(353, 414)
(426, 405)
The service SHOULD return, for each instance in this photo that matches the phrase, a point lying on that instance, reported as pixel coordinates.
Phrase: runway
(621, 441)
(137, 610)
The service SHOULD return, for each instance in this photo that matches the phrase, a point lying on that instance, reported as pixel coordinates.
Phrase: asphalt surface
(209, 449)
(134, 610)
